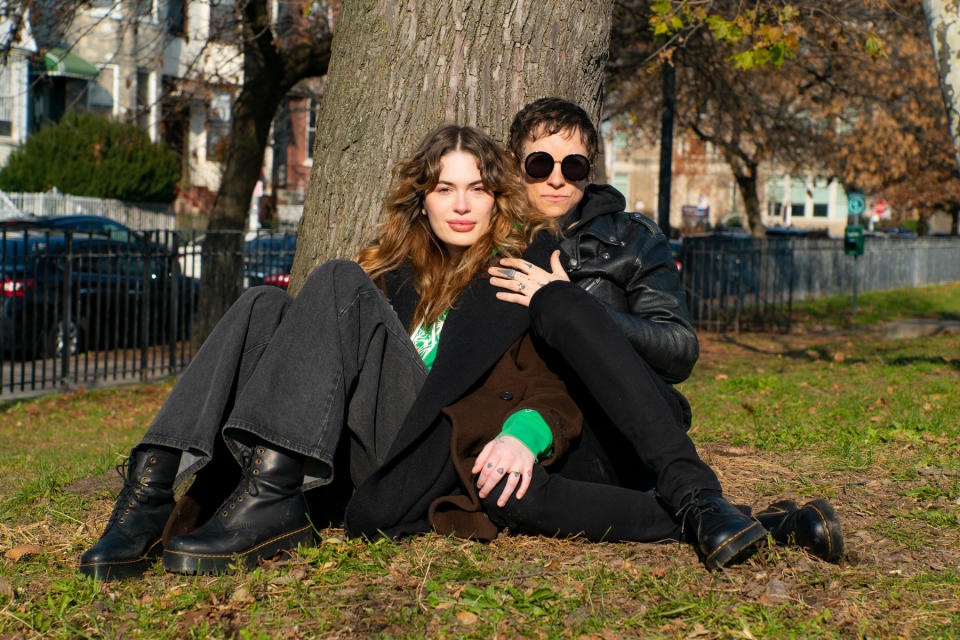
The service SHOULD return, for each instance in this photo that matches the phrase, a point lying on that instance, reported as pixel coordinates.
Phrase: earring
(423, 212)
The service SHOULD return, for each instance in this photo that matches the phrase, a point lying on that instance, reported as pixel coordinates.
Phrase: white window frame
(308, 148)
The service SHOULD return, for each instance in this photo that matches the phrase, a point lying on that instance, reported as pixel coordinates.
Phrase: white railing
(54, 203)
(7, 208)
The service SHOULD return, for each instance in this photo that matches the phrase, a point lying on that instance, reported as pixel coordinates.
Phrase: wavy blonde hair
(404, 234)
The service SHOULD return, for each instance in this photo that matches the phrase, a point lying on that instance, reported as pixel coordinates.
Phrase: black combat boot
(132, 536)
(814, 526)
(719, 532)
(264, 515)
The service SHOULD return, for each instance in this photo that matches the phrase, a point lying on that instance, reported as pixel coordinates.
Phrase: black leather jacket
(623, 260)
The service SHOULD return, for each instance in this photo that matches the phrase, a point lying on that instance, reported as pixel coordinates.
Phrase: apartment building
(175, 67)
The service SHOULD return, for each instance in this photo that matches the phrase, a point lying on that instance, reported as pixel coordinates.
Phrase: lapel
(477, 332)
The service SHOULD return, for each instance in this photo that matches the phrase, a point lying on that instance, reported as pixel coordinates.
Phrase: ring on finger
(515, 474)
(522, 287)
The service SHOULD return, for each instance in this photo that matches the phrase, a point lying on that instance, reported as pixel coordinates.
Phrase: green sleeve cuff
(531, 429)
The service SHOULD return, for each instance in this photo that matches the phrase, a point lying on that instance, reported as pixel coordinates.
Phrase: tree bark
(943, 23)
(269, 74)
(745, 173)
(400, 68)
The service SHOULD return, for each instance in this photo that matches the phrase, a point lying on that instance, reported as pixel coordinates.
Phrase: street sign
(853, 240)
(881, 209)
(856, 203)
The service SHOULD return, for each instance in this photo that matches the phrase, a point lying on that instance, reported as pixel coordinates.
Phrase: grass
(873, 424)
(935, 302)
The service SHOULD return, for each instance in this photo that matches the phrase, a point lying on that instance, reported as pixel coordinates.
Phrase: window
(621, 182)
(100, 92)
(143, 99)
(177, 17)
(313, 111)
(142, 8)
(223, 20)
(8, 99)
(797, 209)
(821, 197)
(218, 125)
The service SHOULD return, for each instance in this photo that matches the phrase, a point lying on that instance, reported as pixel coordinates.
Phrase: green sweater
(526, 425)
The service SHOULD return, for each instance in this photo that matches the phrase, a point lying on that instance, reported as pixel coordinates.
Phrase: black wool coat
(421, 468)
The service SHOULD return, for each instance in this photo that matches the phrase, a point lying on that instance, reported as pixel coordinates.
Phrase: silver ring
(515, 474)
(522, 286)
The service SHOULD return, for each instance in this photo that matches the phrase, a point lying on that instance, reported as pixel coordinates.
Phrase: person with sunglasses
(382, 380)
(612, 305)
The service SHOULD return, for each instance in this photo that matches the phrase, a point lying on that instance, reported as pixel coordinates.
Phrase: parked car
(676, 250)
(267, 258)
(100, 225)
(76, 291)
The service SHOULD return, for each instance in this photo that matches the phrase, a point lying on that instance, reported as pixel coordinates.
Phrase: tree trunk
(269, 73)
(745, 173)
(943, 23)
(402, 67)
(221, 280)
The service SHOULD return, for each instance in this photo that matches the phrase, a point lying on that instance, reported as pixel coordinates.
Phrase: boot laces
(248, 485)
(129, 493)
(693, 508)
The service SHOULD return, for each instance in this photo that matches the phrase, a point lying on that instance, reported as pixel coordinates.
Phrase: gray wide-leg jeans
(298, 373)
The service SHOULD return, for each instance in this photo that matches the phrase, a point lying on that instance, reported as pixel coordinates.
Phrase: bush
(86, 155)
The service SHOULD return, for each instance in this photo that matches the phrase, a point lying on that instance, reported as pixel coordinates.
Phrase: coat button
(605, 255)
(612, 239)
(574, 263)
(506, 395)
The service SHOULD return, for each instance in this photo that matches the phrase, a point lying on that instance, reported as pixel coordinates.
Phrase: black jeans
(297, 373)
(633, 418)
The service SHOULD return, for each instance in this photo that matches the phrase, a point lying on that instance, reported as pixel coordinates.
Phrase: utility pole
(666, 147)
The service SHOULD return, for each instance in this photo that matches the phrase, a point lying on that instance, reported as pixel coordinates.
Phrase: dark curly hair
(548, 116)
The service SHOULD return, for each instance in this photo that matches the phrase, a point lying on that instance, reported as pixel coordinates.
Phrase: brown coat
(485, 352)
(520, 380)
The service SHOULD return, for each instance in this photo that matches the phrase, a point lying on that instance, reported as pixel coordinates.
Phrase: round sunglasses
(539, 165)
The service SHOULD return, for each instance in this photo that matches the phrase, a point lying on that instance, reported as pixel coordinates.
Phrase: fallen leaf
(839, 357)
(446, 604)
(20, 551)
(466, 617)
(721, 376)
(777, 591)
(240, 595)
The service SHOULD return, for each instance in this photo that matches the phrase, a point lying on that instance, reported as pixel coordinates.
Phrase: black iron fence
(737, 282)
(78, 308)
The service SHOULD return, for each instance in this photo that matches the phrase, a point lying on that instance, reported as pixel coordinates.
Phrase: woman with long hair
(394, 372)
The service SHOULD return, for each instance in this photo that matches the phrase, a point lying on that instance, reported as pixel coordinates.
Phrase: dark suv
(85, 291)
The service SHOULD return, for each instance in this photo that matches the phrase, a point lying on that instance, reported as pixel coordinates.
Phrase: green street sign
(853, 240)
(856, 203)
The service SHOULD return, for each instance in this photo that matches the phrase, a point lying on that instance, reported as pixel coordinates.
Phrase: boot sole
(125, 569)
(736, 547)
(204, 564)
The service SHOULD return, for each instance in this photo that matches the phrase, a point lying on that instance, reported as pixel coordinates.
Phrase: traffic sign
(856, 203)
